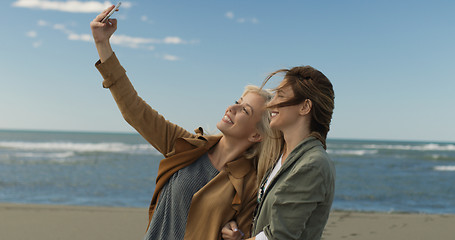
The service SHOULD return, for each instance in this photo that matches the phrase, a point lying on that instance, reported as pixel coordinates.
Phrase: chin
(274, 125)
(220, 127)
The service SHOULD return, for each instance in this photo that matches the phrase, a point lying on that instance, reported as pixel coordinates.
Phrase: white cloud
(122, 40)
(121, 16)
(80, 37)
(146, 19)
(170, 57)
(62, 28)
(132, 42)
(67, 6)
(173, 40)
(59, 26)
(70, 34)
(119, 39)
(37, 44)
(230, 15)
(42, 23)
(137, 42)
(31, 34)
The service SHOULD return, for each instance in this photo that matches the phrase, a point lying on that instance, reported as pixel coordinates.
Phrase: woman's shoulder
(315, 158)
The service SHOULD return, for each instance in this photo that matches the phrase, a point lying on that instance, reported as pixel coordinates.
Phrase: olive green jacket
(297, 202)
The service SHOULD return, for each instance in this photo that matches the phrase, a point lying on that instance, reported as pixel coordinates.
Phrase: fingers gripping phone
(111, 12)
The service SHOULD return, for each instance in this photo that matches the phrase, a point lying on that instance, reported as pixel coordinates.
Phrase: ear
(256, 137)
(305, 107)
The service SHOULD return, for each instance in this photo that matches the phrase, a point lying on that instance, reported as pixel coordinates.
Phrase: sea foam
(350, 152)
(449, 168)
(423, 147)
(114, 147)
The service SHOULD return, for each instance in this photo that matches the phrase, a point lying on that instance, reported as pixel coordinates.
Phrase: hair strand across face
(308, 83)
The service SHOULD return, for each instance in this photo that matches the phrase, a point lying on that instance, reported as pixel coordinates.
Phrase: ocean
(109, 169)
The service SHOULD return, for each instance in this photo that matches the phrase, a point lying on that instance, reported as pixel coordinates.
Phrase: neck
(227, 150)
(293, 136)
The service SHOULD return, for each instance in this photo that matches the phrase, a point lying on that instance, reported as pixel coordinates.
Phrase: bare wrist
(104, 50)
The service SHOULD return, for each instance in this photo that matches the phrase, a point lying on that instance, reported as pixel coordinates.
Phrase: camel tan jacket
(231, 195)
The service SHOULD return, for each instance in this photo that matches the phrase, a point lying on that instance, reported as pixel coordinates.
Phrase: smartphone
(111, 12)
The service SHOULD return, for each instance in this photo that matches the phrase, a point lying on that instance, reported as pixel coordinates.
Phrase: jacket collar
(305, 145)
(295, 155)
(186, 144)
(238, 168)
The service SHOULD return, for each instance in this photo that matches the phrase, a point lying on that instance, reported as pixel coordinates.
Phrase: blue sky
(391, 62)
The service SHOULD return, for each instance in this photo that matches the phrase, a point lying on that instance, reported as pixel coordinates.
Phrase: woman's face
(283, 117)
(240, 120)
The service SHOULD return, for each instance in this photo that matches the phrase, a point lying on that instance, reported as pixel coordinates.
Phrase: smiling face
(241, 119)
(283, 117)
(311, 90)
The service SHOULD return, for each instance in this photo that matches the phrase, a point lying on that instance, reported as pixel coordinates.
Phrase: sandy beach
(24, 221)
(396, 226)
(51, 222)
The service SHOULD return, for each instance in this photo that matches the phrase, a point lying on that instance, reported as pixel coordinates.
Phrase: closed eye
(279, 94)
(243, 108)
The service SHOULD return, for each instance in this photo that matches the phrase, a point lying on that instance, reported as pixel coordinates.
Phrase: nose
(272, 102)
(232, 108)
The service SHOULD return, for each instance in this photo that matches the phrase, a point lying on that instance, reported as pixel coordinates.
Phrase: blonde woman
(296, 194)
(204, 181)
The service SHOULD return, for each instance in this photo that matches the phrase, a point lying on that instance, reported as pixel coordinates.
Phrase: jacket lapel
(237, 170)
(187, 150)
(293, 157)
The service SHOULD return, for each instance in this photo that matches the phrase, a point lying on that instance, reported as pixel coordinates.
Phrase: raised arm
(152, 126)
(102, 32)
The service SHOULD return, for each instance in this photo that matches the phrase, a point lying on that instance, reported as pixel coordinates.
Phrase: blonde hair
(268, 150)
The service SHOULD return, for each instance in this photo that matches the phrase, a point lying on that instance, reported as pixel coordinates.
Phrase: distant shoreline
(135, 133)
(66, 131)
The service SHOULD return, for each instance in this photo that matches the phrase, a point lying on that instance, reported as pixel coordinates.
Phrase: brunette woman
(296, 195)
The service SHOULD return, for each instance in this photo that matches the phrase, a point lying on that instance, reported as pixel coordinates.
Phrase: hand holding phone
(111, 12)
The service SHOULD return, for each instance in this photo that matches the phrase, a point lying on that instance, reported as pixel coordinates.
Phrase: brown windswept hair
(309, 83)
